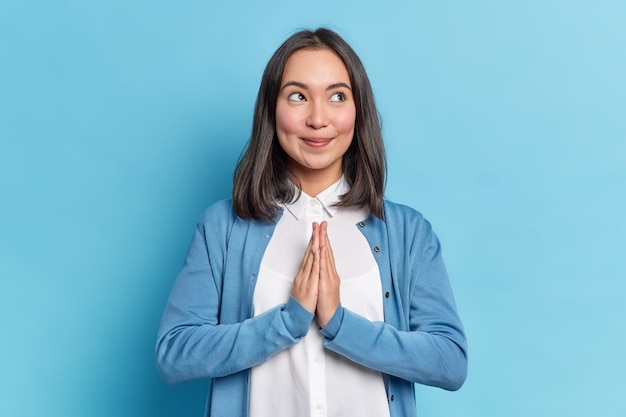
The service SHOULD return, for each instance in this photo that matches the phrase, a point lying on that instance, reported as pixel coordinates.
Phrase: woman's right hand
(306, 283)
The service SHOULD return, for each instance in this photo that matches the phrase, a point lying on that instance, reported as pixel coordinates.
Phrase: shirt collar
(327, 198)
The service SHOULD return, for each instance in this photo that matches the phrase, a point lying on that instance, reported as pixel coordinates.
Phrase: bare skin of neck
(313, 182)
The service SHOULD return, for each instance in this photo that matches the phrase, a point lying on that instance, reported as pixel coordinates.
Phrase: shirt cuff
(298, 319)
(333, 325)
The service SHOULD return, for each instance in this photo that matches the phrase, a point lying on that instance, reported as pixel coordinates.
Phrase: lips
(317, 142)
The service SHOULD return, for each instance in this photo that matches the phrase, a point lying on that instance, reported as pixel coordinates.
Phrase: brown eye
(296, 97)
(338, 97)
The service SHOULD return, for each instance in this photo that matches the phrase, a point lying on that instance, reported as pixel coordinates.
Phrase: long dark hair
(262, 181)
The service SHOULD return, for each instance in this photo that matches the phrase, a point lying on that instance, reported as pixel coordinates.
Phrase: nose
(318, 115)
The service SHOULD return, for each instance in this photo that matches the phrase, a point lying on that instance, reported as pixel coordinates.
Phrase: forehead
(319, 64)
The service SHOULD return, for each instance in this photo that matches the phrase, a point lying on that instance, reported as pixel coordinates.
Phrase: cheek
(287, 122)
(344, 121)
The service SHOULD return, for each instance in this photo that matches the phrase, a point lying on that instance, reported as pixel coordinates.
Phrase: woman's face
(315, 116)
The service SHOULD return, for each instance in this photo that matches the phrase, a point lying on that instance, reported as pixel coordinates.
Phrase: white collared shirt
(307, 379)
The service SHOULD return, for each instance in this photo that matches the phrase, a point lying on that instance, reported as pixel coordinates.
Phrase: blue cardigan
(208, 329)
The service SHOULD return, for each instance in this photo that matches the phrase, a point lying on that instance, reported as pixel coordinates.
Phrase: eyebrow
(305, 87)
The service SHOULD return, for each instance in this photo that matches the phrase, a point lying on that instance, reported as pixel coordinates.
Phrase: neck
(315, 183)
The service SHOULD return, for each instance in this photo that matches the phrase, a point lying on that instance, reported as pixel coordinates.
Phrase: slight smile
(317, 142)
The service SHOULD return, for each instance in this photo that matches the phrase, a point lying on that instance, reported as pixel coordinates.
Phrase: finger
(328, 271)
(305, 284)
(308, 253)
(323, 263)
(324, 235)
(312, 250)
(329, 298)
(316, 235)
(326, 242)
(316, 267)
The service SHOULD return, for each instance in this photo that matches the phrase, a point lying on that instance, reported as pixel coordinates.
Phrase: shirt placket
(314, 212)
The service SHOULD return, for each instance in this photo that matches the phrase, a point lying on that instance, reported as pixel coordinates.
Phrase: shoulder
(399, 217)
(395, 212)
(219, 215)
(220, 210)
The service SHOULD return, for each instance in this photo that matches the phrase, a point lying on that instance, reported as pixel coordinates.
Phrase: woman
(308, 293)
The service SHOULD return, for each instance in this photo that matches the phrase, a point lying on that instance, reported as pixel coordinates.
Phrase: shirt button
(362, 224)
(392, 397)
(387, 294)
(376, 249)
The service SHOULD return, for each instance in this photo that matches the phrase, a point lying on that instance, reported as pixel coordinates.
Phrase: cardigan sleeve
(192, 343)
(432, 350)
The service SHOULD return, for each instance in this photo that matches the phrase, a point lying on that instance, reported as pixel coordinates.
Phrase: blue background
(504, 123)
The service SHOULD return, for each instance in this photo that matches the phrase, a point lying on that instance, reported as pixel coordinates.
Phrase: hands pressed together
(316, 285)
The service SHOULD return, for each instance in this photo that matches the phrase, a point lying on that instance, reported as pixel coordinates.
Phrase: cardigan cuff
(333, 325)
(297, 318)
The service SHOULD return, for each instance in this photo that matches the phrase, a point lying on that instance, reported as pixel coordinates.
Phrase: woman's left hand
(328, 298)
